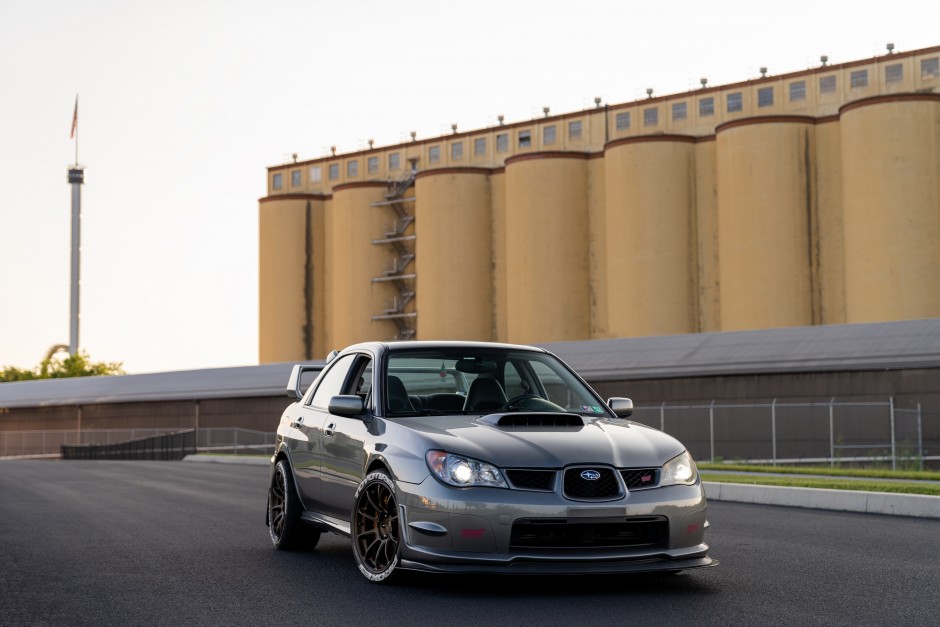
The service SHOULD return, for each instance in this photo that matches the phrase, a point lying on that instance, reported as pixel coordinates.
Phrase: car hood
(615, 442)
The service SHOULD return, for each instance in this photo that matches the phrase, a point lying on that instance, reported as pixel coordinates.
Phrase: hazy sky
(183, 104)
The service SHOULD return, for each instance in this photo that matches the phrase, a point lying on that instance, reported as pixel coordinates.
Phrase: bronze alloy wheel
(376, 532)
(277, 506)
(287, 529)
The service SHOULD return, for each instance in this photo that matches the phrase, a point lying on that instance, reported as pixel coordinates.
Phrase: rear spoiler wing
(296, 373)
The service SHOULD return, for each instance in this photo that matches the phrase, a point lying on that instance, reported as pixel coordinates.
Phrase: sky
(183, 104)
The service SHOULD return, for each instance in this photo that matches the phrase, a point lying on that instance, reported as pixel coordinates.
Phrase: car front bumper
(468, 530)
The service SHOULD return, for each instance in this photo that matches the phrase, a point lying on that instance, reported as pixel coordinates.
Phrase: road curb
(917, 505)
(227, 459)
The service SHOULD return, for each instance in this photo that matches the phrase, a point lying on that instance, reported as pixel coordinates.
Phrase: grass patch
(826, 471)
(828, 483)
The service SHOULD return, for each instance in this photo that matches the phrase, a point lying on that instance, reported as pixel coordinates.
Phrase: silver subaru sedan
(467, 457)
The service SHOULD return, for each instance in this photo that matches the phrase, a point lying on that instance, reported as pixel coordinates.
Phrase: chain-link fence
(829, 432)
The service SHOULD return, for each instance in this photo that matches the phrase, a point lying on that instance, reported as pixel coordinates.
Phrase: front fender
(405, 465)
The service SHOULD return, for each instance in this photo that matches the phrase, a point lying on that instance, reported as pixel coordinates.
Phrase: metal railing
(830, 432)
(49, 443)
(167, 447)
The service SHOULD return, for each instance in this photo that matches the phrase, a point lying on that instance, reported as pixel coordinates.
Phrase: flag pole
(76, 179)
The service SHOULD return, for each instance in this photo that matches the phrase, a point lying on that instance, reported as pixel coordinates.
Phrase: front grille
(640, 478)
(604, 488)
(522, 479)
(561, 534)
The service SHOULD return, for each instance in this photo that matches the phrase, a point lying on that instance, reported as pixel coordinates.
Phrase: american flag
(74, 119)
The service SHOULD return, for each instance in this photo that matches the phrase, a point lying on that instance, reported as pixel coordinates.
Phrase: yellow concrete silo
(352, 224)
(829, 223)
(650, 194)
(891, 207)
(291, 274)
(453, 254)
(498, 243)
(708, 292)
(765, 199)
(547, 276)
(597, 245)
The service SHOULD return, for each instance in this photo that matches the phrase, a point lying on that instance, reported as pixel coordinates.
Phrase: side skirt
(326, 523)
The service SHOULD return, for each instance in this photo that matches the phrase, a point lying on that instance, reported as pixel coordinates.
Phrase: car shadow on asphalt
(542, 586)
(332, 560)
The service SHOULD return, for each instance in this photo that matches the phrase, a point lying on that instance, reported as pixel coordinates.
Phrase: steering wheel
(518, 399)
(531, 401)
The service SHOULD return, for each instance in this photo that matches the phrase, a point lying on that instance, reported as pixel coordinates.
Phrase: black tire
(376, 532)
(288, 531)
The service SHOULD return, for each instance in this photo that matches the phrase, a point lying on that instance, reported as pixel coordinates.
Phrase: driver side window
(362, 385)
(332, 382)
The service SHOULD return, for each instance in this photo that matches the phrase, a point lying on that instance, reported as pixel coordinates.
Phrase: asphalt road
(154, 543)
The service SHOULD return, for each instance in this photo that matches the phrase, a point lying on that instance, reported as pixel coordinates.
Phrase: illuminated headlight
(680, 470)
(462, 472)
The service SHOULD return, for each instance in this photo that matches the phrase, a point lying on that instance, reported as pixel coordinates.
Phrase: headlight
(680, 470)
(462, 472)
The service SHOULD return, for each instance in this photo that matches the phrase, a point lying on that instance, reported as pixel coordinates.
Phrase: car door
(344, 453)
(306, 448)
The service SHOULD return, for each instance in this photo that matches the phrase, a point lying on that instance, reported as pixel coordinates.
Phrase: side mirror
(346, 405)
(622, 407)
(296, 374)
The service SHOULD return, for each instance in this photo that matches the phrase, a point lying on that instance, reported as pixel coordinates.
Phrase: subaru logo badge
(590, 475)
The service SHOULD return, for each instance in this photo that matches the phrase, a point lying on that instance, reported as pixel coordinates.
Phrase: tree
(78, 365)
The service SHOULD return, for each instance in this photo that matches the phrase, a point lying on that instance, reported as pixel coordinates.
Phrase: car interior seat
(484, 395)
(397, 395)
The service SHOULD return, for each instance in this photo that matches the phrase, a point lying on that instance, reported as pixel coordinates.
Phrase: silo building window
(680, 111)
(623, 121)
(859, 78)
(827, 84)
(765, 97)
(706, 107)
(930, 68)
(548, 135)
(574, 129)
(797, 91)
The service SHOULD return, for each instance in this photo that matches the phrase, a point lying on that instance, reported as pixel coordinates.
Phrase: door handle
(296, 424)
(330, 428)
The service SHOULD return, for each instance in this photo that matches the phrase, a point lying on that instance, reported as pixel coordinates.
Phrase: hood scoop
(534, 420)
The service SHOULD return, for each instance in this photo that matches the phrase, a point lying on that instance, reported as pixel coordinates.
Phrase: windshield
(482, 380)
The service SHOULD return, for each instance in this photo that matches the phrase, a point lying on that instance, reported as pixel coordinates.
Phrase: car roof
(378, 347)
